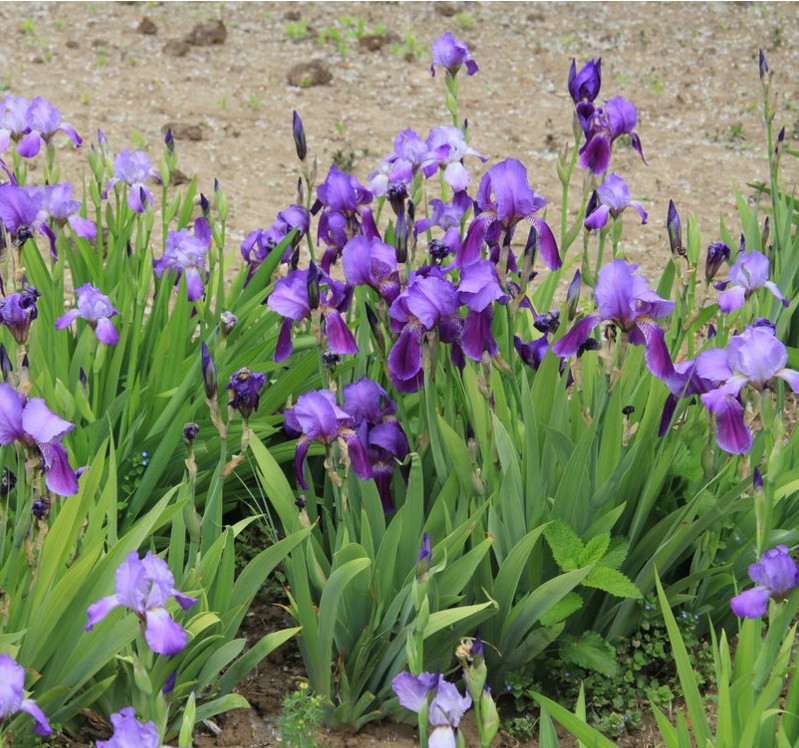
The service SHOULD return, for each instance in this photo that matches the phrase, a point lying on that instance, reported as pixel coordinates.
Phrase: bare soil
(131, 69)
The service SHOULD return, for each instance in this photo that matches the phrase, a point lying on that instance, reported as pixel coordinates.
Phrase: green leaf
(562, 610)
(591, 652)
(612, 581)
(594, 549)
(565, 544)
(577, 727)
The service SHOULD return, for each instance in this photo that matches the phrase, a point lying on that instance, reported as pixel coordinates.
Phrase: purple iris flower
(749, 273)
(31, 422)
(614, 196)
(133, 168)
(12, 695)
(317, 418)
(130, 733)
(185, 253)
(13, 120)
(505, 198)
(717, 255)
(143, 585)
(379, 431)
(57, 204)
(754, 357)
(18, 310)
(427, 302)
(291, 299)
(44, 121)
(398, 169)
(775, 575)
(452, 54)
(370, 262)
(245, 387)
(531, 353)
(624, 298)
(447, 148)
(478, 289)
(95, 307)
(20, 213)
(446, 709)
(584, 88)
(258, 244)
(619, 117)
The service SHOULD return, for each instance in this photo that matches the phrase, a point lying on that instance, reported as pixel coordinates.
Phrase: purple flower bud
(765, 322)
(330, 359)
(424, 558)
(717, 254)
(209, 373)
(190, 431)
(246, 391)
(548, 322)
(169, 683)
(757, 480)
(584, 86)
(397, 194)
(299, 137)
(450, 53)
(763, 65)
(401, 238)
(573, 296)
(227, 321)
(593, 204)
(674, 228)
(5, 363)
(312, 284)
(205, 205)
(711, 331)
(169, 140)
(40, 509)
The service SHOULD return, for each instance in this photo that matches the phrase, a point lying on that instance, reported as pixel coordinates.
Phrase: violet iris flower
(31, 422)
(445, 710)
(452, 54)
(505, 198)
(584, 88)
(755, 357)
(12, 695)
(317, 418)
(478, 289)
(44, 121)
(143, 585)
(614, 196)
(379, 431)
(717, 255)
(371, 262)
(58, 205)
(130, 733)
(531, 353)
(133, 168)
(426, 303)
(624, 298)
(775, 575)
(18, 310)
(258, 245)
(245, 387)
(95, 307)
(20, 213)
(185, 253)
(398, 169)
(291, 298)
(619, 117)
(447, 148)
(749, 273)
(13, 120)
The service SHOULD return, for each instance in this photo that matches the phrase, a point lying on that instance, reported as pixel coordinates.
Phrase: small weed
(102, 59)
(254, 102)
(306, 82)
(221, 102)
(794, 133)
(297, 31)
(300, 718)
(60, 23)
(26, 26)
(643, 37)
(622, 79)
(139, 141)
(85, 99)
(341, 127)
(656, 84)
(344, 160)
(410, 49)
(735, 133)
(777, 37)
(464, 20)
(567, 41)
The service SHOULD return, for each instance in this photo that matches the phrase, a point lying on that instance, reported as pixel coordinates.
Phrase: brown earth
(133, 68)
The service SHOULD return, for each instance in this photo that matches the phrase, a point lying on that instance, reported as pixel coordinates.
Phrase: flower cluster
(31, 124)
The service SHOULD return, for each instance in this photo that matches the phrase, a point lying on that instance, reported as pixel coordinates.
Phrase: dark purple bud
(190, 431)
(301, 502)
(169, 140)
(763, 65)
(766, 230)
(40, 508)
(711, 331)
(5, 363)
(439, 250)
(294, 260)
(216, 185)
(227, 321)
(478, 651)
(757, 480)
(781, 136)
(674, 228)
(424, 558)
(717, 255)
(401, 238)
(742, 248)
(573, 296)
(246, 391)
(628, 410)
(377, 329)
(300, 192)
(205, 205)
(299, 138)
(397, 194)
(312, 284)
(330, 359)
(209, 373)
(8, 480)
(531, 245)
(593, 203)
(169, 683)
(548, 322)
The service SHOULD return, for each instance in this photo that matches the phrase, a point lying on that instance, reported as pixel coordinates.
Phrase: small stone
(307, 74)
(206, 34)
(147, 26)
(38, 60)
(374, 42)
(446, 9)
(178, 178)
(72, 44)
(536, 17)
(176, 48)
(181, 131)
(292, 15)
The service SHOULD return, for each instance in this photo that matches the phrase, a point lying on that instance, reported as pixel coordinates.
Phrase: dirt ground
(690, 68)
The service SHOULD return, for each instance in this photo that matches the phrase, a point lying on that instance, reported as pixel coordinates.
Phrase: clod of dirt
(446, 9)
(72, 44)
(178, 178)
(181, 131)
(292, 15)
(206, 34)
(147, 26)
(375, 42)
(307, 74)
(176, 48)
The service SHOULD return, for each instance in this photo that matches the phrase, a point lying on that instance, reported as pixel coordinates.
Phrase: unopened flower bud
(209, 373)
(762, 65)
(246, 391)
(205, 205)
(573, 296)
(377, 330)
(190, 431)
(593, 204)
(397, 195)
(489, 718)
(674, 228)
(717, 255)
(312, 285)
(757, 480)
(711, 331)
(330, 359)
(401, 238)
(227, 321)
(169, 140)
(424, 558)
(5, 363)
(299, 137)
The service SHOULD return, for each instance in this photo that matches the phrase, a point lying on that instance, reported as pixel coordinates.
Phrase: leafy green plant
(297, 31)
(301, 715)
